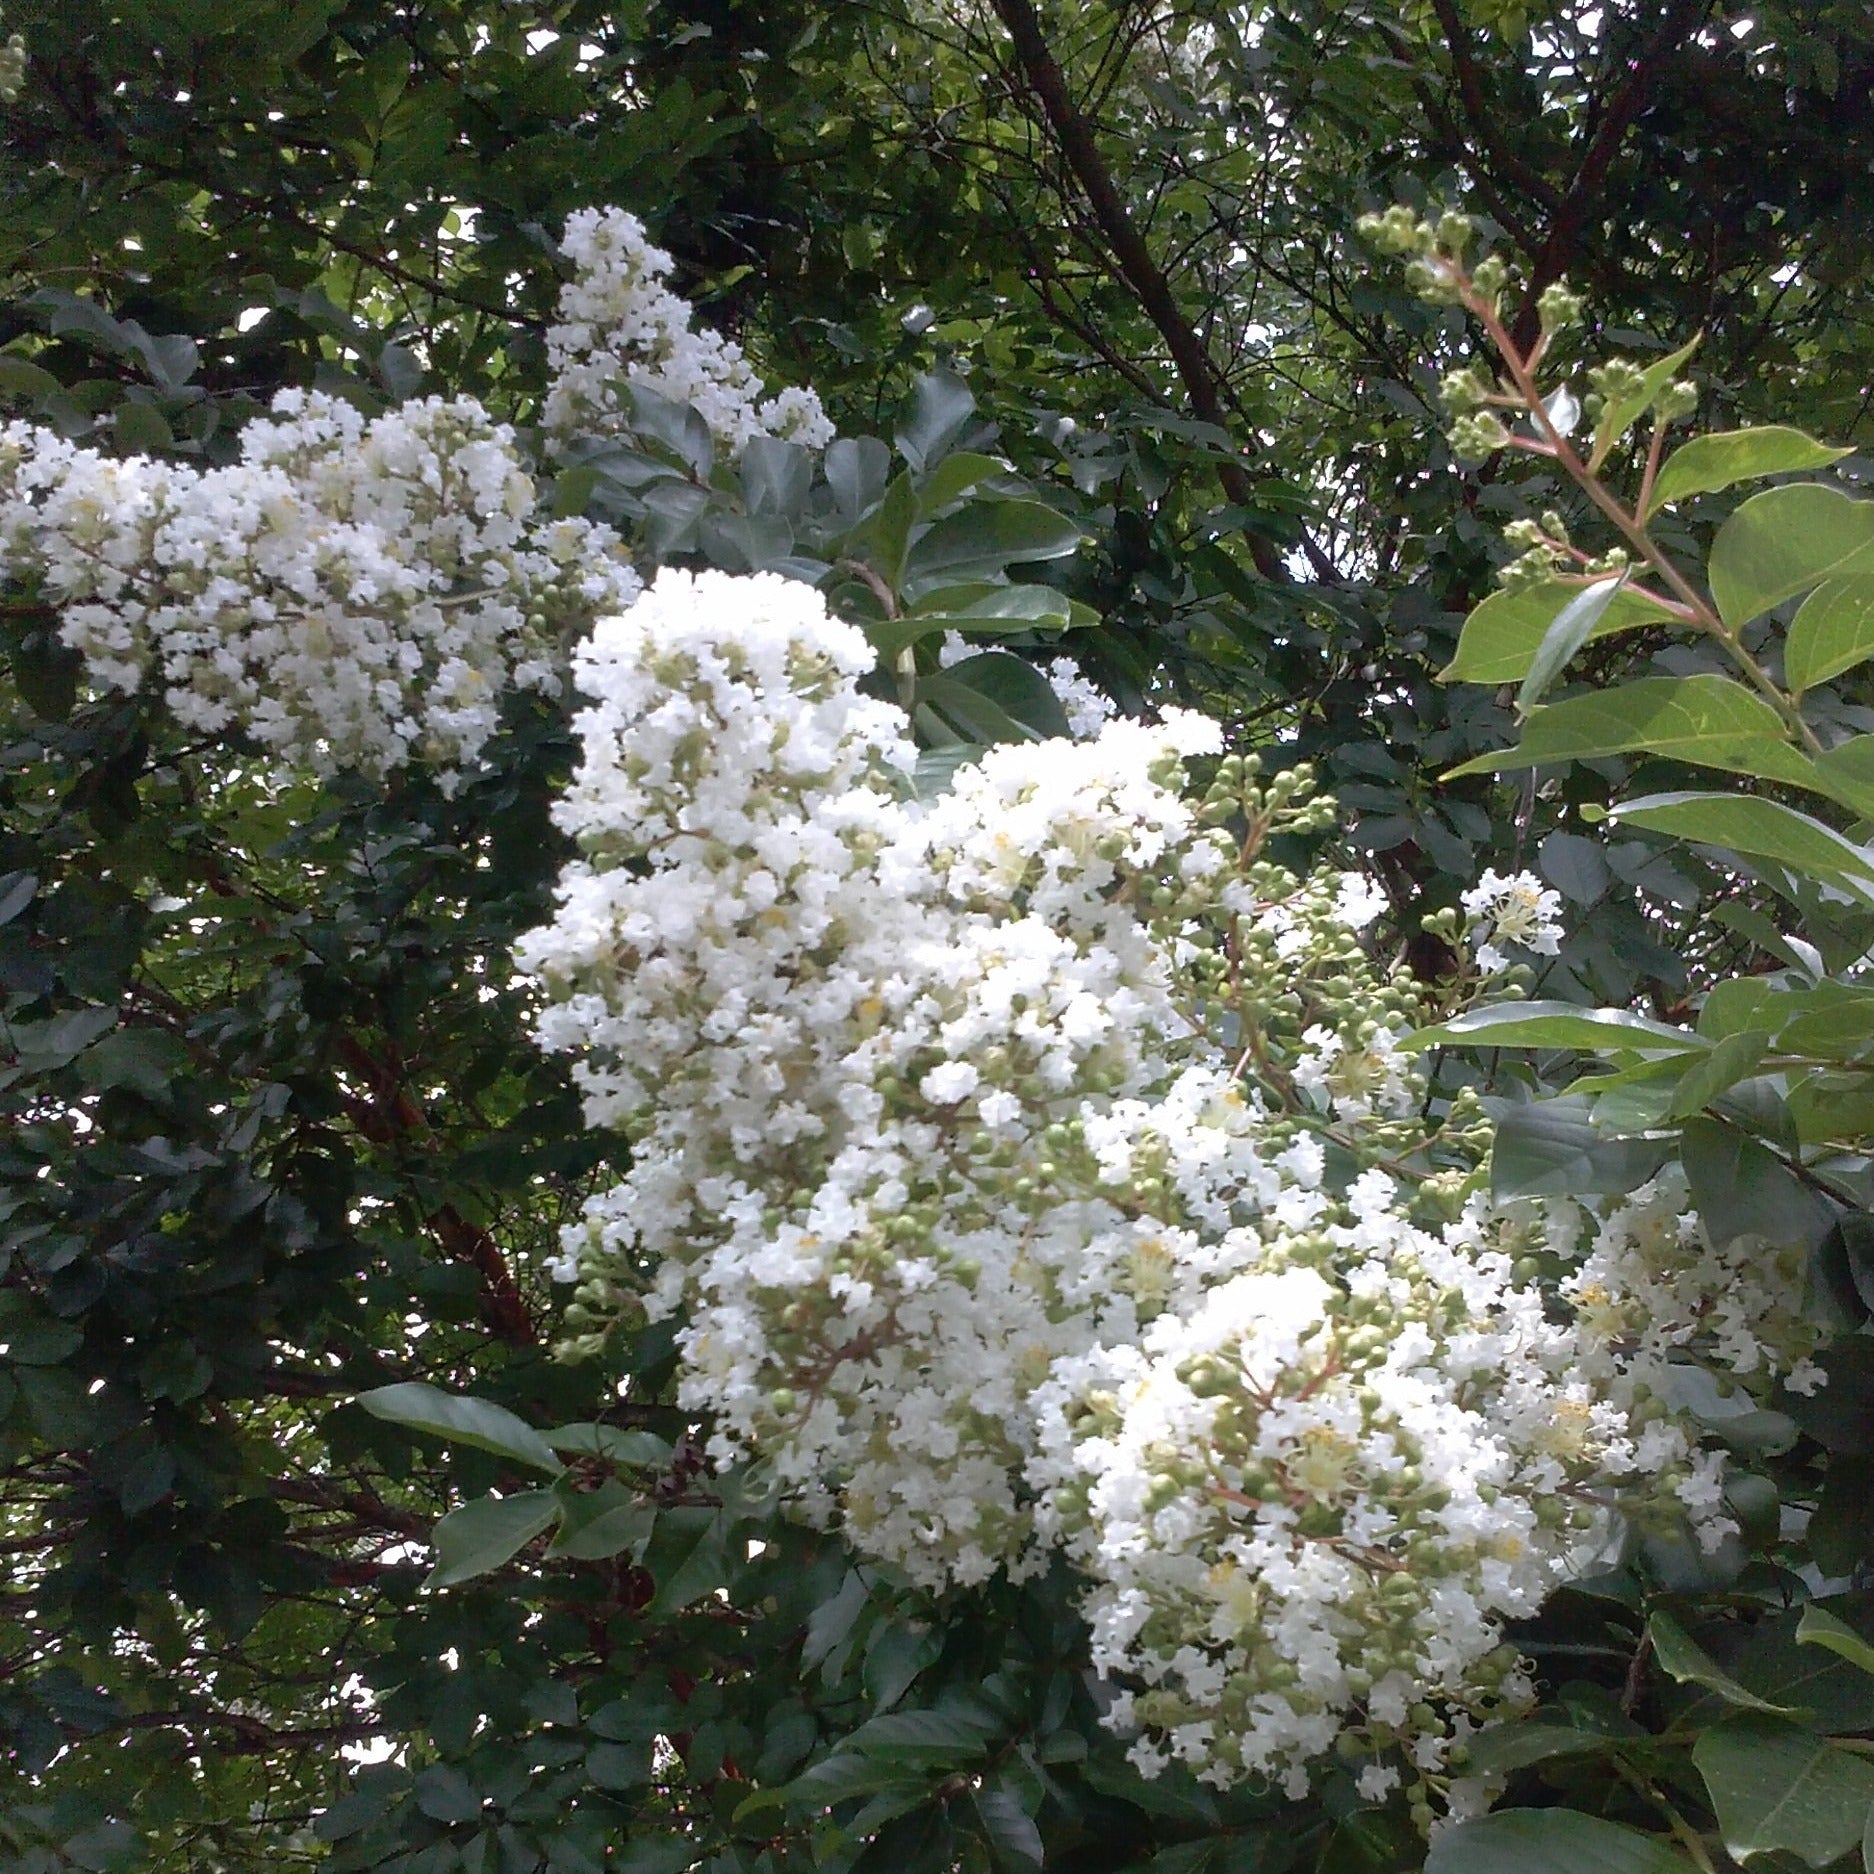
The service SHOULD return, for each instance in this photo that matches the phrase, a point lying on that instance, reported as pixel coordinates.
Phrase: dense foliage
(402, 1468)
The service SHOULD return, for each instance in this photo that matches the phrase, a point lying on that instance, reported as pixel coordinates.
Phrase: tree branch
(1141, 273)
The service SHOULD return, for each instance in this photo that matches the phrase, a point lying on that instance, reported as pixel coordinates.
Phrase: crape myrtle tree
(769, 1105)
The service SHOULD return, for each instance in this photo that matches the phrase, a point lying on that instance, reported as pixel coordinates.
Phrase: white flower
(982, 1241)
(1512, 909)
(620, 326)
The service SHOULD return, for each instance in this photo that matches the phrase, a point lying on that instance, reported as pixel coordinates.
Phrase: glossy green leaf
(1833, 630)
(482, 1535)
(954, 477)
(1549, 1841)
(1818, 1627)
(1573, 626)
(1554, 1148)
(984, 537)
(1516, 1743)
(1741, 1188)
(1735, 1058)
(621, 1444)
(1708, 720)
(1502, 636)
(941, 409)
(1682, 1658)
(1558, 1025)
(1762, 829)
(994, 697)
(1619, 414)
(1780, 1789)
(1784, 541)
(1846, 773)
(1725, 457)
(462, 1421)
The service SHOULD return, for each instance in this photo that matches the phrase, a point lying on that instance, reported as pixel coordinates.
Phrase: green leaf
(985, 537)
(1549, 1841)
(1573, 626)
(480, 1536)
(1846, 774)
(952, 479)
(857, 469)
(995, 697)
(1553, 1148)
(941, 407)
(1558, 1025)
(1763, 829)
(1619, 413)
(1784, 541)
(1779, 1789)
(936, 768)
(655, 1854)
(1010, 1830)
(445, 1795)
(777, 476)
(462, 1421)
(16, 893)
(686, 1558)
(1833, 630)
(1517, 1743)
(1741, 1188)
(619, 1444)
(1708, 463)
(140, 428)
(1709, 720)
(20, 377)
(1818, 1627)
(1502, 635)
(1685, 1660)
(1735, 1058)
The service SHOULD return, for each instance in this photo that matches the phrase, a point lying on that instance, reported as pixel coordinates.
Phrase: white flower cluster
(1655, 1285)
(1514, 908)
(1007, 1161)
(351, 593)
(621, 326)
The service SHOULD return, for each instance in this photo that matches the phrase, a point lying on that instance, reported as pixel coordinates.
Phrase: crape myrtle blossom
(620, 326)
(1000, 1157)
(1512, 909)
(350, 593)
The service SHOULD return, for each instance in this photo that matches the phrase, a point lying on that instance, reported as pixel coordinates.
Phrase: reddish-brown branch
(391, 1114)
(1138, 269)
(1560, 249)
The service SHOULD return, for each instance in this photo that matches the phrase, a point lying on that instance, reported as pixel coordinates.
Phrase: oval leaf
(1784, 541)
(1685, 1660)
(1832, 631)
(1574, 625)
(480, 1536)
(1559, 1025)
(1706, 719)
(1548, 1841)
(1780, 1789)
(1501, 637)
(462, 1421)
(1818, 1627)
(1763, 829)
(1708, 463)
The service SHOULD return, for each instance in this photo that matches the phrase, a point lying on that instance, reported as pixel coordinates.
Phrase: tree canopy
(360, 1512)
